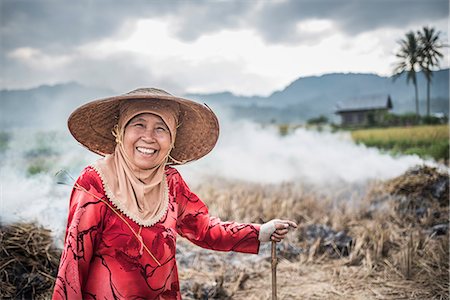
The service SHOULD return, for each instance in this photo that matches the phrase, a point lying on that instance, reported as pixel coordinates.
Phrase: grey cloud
(53, 24)
(57, 25)
(366, 15)
(120, 72)
(277, 20)
(200, 18)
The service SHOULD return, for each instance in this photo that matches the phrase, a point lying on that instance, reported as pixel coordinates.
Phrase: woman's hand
(275, 230)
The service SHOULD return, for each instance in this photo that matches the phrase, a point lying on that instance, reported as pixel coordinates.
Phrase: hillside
(318, 95)
(46, 106)
(302, 99)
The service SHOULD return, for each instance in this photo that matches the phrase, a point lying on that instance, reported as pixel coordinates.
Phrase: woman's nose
(148, 136)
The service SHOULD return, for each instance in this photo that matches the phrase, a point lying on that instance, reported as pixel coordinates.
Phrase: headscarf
(141, 194)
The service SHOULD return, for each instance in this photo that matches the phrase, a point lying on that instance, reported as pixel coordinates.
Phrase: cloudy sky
(247, 47)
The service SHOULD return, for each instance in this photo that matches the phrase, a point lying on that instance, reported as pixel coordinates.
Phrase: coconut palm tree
(429, 55)
(408, 61)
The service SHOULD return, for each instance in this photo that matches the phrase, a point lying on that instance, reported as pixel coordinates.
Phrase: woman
(128, 207)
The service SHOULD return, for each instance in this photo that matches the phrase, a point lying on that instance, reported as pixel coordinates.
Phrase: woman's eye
(161, 129)
(139, 125)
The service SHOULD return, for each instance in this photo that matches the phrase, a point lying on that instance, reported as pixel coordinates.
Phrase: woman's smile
(147, 141)
(146, 151)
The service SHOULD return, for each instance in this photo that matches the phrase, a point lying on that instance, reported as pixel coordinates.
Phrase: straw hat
(198, 128)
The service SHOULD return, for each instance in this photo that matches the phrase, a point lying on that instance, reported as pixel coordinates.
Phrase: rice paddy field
(425, 141)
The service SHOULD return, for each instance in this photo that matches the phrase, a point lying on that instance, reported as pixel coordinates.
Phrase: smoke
(252, 152)
(246, 151)
(29, 191)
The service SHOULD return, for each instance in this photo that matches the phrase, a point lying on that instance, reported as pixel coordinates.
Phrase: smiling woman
(147, 140)
(127, 208)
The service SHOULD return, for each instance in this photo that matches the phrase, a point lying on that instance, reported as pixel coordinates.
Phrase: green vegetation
(407, 119)
(419, 50)
(425, 141)
(321, 120)
(38, 166)
(386, 120)
(44, 145)
(41, 157)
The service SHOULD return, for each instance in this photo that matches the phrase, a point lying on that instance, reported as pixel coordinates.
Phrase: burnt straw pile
(28, 261)
(418, 199)
(422, 196)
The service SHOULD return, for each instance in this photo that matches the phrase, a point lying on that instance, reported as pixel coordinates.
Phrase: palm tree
(429, 55)
(408, 60)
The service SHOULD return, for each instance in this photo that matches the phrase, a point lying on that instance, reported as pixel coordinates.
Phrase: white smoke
(245, 151)
(28, 195)
(252, 152)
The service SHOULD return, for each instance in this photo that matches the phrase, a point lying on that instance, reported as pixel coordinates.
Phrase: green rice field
(426, 141)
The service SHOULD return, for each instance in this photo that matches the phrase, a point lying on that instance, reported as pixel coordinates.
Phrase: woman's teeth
(146, 150)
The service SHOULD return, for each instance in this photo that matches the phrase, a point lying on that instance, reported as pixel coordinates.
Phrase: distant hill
(46, 106)
(309, 97)
(304, 98)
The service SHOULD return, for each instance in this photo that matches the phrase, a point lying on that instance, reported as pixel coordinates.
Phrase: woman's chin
(148, 163)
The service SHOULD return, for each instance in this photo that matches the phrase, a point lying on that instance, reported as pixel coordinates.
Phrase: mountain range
(309, 97)
(304, 98)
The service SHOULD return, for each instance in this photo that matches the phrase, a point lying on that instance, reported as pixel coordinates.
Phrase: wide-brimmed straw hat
(197, 130)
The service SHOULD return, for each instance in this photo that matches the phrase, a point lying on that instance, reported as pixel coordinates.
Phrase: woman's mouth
(146, 151)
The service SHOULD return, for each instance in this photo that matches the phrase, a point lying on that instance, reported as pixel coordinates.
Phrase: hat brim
(198, 128)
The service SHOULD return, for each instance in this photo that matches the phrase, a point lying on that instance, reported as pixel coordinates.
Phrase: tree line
(419, 51)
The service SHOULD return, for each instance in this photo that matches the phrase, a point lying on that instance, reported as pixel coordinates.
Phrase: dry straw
(28, 262)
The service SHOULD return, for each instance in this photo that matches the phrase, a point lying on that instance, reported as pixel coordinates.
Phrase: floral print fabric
(104, 259)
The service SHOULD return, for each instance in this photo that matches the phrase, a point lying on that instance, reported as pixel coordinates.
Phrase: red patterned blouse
(109, 256)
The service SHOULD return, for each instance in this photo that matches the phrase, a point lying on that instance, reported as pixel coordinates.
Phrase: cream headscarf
(141, 194)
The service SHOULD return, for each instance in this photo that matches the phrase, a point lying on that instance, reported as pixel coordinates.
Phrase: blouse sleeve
(195, 224)
(83, 228)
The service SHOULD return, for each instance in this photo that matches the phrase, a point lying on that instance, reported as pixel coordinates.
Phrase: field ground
(396, 250)
(331, 279)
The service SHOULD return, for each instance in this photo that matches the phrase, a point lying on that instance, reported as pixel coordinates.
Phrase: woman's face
(146, 140)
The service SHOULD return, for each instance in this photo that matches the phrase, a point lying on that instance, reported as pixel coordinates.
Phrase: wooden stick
(274, 270)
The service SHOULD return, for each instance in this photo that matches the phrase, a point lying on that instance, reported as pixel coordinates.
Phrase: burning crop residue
(393, 243)
(390, 241)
